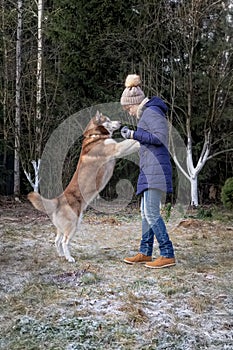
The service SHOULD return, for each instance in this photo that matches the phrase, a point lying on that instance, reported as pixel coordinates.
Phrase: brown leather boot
(161, 262)
(138, 259)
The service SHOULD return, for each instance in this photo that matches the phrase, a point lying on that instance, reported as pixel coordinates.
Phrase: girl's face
(131, 109)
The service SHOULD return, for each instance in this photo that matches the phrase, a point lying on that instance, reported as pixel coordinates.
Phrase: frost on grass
(101, 303)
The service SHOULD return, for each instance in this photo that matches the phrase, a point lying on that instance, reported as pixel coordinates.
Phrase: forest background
(59, 57)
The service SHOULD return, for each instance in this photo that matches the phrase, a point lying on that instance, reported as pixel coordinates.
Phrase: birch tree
(18, 99)
(38, 137)
(199, 27)
(8, 28)
(190, 66)
(4, 87)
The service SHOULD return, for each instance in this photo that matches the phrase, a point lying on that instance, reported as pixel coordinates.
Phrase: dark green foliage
(227, 194)
(88, 39)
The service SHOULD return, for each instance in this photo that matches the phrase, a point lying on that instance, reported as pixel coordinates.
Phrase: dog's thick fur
(94, 170)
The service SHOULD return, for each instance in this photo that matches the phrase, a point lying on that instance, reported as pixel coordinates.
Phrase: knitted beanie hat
(133, 94)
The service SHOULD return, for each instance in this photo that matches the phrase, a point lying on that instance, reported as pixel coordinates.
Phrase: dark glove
(127, 133)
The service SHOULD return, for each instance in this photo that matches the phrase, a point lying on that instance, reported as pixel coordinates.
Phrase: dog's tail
(47, 206)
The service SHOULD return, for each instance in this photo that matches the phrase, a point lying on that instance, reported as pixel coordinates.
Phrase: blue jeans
(153, 225)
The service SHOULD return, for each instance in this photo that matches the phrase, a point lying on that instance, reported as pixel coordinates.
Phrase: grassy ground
(101, 303)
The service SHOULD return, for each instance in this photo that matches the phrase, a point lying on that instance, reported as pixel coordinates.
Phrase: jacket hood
(157, 102)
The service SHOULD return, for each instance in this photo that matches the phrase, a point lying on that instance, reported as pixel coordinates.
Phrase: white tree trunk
(36, 161)
(39, 78)
(17, 101)
(5, 85)
(194, 191)
(191, 173)
(35, 184)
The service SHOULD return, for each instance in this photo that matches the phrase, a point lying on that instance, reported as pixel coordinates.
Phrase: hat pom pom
(132, 80)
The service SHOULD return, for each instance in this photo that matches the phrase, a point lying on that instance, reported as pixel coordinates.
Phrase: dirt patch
(100, 302)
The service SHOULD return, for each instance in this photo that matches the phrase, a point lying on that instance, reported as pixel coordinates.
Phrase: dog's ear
(97, 118)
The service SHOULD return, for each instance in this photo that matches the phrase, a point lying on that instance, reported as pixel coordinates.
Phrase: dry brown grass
(100, 302)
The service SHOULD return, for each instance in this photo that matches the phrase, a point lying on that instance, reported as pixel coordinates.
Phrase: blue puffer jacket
(152, 133)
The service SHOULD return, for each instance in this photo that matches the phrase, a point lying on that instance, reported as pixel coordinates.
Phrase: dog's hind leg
(65, 243)
(58, 243)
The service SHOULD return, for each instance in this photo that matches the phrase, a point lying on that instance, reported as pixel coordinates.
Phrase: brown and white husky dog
(94, 170)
